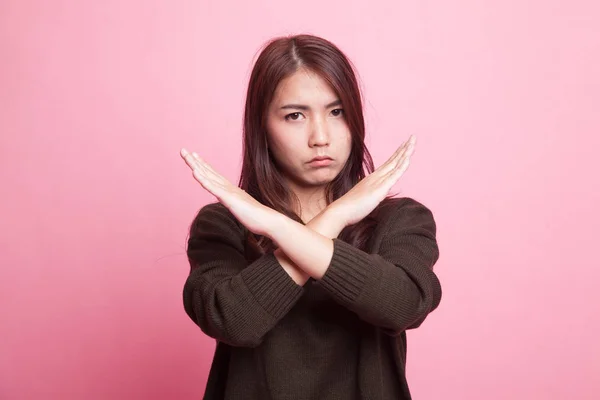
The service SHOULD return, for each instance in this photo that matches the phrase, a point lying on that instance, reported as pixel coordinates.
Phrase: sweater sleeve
(231, 300)
(396, 287)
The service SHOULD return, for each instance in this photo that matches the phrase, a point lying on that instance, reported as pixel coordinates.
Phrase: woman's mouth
(320, 161)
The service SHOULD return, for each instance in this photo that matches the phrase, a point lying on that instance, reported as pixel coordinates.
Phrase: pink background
(97, 98)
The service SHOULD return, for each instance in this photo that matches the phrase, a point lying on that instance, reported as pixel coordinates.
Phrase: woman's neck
(311, 206)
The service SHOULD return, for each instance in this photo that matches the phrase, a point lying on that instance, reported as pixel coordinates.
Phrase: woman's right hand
(255, 216)
(359, 201)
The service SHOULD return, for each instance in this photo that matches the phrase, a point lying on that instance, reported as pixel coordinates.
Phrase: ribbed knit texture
(342, 337)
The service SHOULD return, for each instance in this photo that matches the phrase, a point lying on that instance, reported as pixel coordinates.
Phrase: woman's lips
(320, 162)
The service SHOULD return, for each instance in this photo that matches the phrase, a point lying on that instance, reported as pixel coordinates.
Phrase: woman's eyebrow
(306, 108)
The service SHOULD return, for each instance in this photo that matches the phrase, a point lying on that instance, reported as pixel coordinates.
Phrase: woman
(307, 273)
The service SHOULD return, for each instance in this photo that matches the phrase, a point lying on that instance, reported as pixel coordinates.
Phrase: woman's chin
(319, 179)
(314, 178)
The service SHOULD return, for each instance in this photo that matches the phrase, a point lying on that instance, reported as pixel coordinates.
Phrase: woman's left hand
(255, 216)
(363, 197)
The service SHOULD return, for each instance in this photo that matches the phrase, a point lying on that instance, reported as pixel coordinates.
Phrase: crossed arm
(294, 238)
(238, 303)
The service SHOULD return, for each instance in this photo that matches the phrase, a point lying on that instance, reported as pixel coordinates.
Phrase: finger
(398, 152)
(214, 178)
(194, 161)
(400, 168)
(408, 152)
(388, 165)
(204, 163)
(207, 183)
(395, 159)
(394, 175)
(185, 154)
(208, 167)
(202, 172)
(402, 149)
(208, 177)
(188, 158)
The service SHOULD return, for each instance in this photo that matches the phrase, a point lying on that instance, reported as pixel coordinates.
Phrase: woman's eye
(337, 111)
(293, 116)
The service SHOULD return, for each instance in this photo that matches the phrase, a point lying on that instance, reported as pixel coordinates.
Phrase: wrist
(276, 225)
(329, 222)
(297, 275)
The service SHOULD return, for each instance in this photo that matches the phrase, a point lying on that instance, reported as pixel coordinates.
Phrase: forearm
(297, 275)
(294, 238)
(394, 288)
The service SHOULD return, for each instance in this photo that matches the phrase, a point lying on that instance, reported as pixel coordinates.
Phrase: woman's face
(306, 120)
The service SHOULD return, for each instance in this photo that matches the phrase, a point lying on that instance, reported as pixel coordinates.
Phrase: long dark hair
(279, 58)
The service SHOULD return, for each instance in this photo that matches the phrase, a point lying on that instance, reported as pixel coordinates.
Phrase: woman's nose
(320, 134)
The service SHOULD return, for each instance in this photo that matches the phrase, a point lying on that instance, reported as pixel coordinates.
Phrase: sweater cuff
(346, 275)
(271, 286)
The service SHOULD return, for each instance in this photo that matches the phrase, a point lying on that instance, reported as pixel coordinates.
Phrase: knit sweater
(341, 337)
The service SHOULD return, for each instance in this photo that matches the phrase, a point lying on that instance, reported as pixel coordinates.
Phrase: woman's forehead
(304, 88)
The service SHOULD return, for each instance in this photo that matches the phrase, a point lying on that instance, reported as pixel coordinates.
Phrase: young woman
(308, 273)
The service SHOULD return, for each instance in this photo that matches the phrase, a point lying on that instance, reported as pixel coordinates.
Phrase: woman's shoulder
(217, 207)
(214, 215)
(399, 204)
(400, 210)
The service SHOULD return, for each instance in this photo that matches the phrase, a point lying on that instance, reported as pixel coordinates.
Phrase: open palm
(359, 201)
(248, 211)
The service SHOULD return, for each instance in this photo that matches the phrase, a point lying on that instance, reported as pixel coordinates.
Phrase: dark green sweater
(341, 337)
